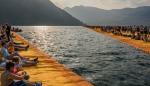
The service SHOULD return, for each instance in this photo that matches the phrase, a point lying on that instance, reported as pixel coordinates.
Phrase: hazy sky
(104, 4)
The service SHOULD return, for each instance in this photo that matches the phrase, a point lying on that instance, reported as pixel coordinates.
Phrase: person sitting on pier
(26, 63)
(19, 63)
(12, 47)
(9, 78)
(18, 68)
(7, 56)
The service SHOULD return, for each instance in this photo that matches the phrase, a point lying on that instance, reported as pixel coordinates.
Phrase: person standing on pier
(8, 31)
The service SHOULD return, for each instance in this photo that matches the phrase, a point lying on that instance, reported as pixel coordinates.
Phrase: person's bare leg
(17, 47)
(29, 63)
(17, 54)
(23, 58)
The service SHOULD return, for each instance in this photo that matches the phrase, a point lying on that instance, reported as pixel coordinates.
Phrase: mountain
(126, 16)
(34, 12)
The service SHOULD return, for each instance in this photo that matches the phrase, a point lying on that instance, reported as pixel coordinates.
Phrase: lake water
(99, 59)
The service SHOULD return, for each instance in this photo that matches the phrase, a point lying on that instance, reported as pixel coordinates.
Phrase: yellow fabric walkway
(49, 71)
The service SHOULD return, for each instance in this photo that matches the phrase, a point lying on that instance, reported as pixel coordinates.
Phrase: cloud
(104, 4)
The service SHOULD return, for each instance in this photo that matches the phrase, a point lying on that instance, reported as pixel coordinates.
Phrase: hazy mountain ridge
(126, 16)
(34, 12)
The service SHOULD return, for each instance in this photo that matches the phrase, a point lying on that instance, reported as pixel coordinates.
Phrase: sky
(103, 4)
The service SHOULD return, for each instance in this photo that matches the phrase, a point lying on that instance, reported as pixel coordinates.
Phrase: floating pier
(138, 44)
(49, 71)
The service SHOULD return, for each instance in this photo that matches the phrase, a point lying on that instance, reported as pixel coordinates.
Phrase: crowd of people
(134, 32)
(11, 62)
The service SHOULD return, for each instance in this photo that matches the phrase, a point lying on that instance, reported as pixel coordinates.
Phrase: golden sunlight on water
(96, 57)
